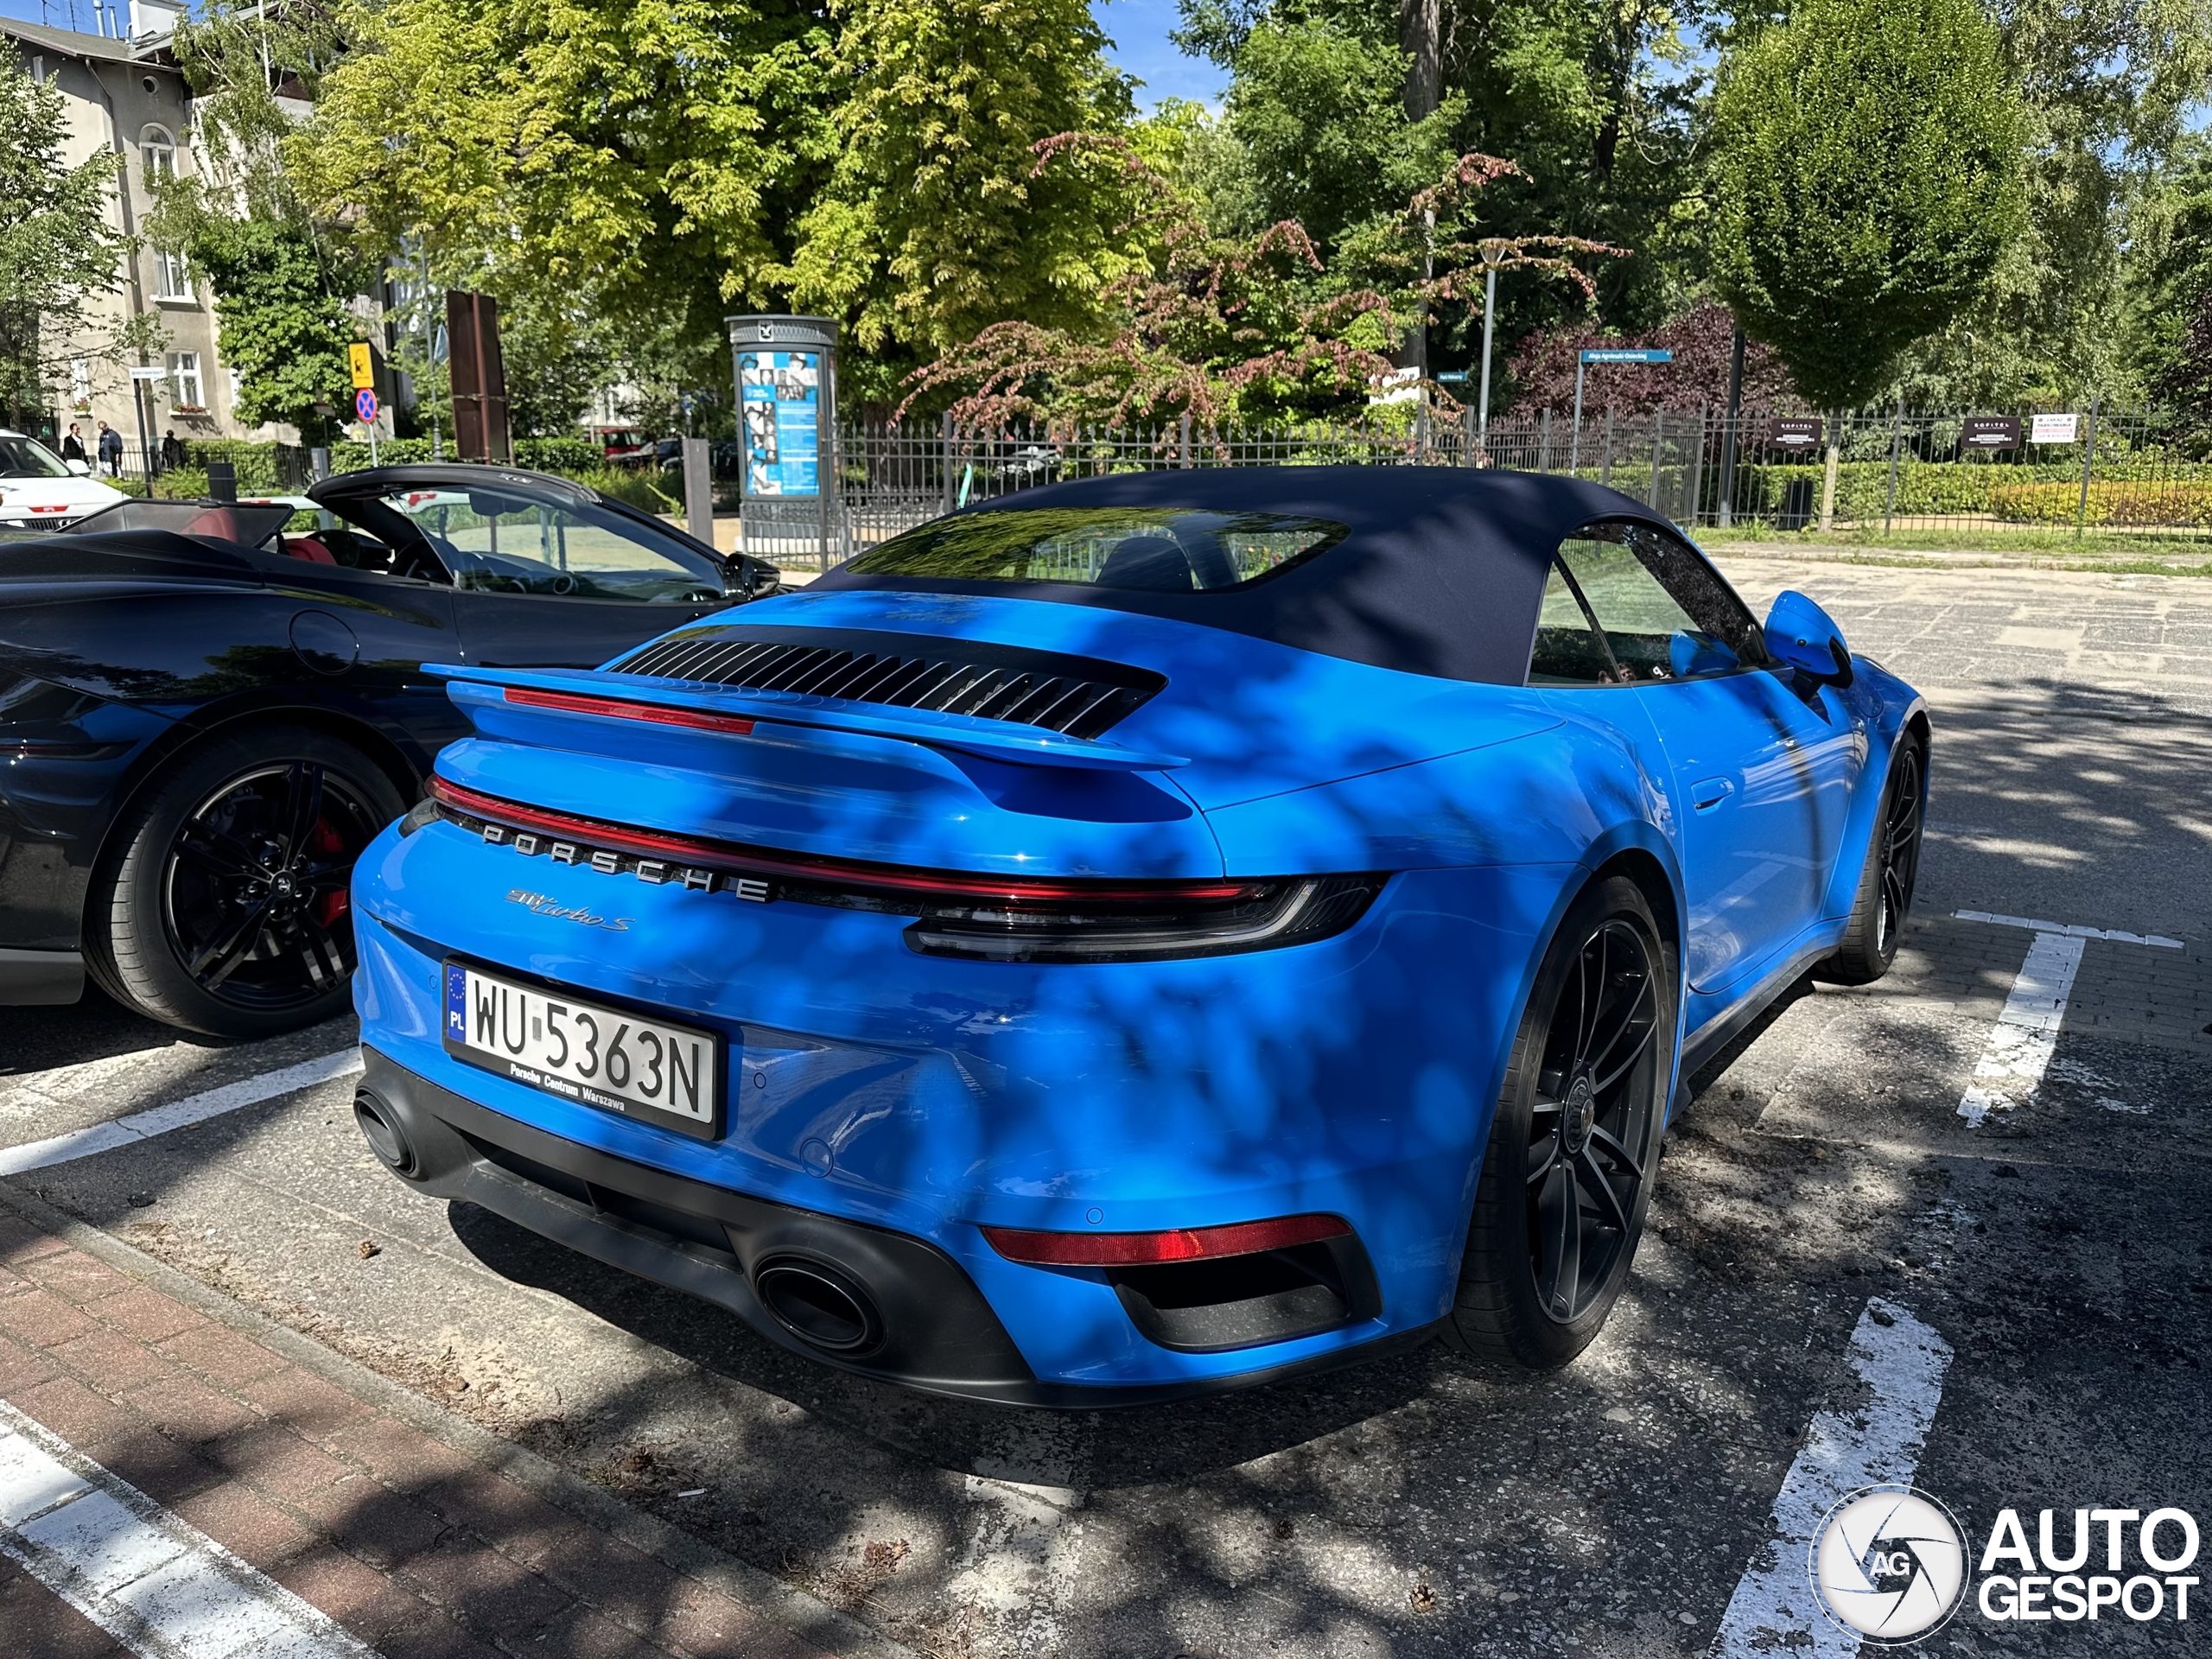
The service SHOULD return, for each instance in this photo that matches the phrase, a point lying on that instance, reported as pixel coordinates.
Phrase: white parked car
(41, 491)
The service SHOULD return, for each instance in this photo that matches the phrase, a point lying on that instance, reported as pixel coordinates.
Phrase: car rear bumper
(938, 1335)
(927, 1099)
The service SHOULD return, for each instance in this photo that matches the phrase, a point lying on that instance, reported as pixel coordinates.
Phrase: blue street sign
(365, 406)
(1627, 357)
(1453, 378)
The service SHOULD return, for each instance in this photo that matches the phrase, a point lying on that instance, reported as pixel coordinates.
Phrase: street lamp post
(1493, 256)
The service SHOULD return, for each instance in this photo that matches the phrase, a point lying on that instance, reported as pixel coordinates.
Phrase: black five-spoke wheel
(1900, 850)
(1590, 1121)
(224, 906)
(254, 897)
(1564, 1183)
(1883, 901)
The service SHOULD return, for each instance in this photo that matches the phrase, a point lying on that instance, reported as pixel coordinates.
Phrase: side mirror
(78, 468)
(1803, 636)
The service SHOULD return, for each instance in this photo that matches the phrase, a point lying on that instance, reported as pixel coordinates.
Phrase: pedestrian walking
(172, 451)
(72, 447)
(110, 448)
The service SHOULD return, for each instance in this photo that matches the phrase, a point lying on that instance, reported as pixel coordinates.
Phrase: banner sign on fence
(1794, 432)
(1989, 432)
(2054, 428)
(1607, 354)
(781, 394)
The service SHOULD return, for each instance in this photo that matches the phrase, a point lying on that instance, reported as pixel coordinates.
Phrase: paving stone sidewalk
(403, 1537)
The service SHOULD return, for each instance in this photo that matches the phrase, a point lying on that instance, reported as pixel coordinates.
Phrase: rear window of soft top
(1143, 550)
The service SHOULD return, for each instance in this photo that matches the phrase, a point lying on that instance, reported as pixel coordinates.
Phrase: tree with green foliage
(1866, 181)
(58, 252)
(280, 285)
(1319, 111)
(1596, 100)
(1253, 328)
(279, 322)
(935, 220)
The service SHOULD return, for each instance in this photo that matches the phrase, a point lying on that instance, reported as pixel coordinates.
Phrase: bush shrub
(2168, 503)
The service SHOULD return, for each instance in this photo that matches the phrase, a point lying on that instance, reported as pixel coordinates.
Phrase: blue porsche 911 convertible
(1142, 935)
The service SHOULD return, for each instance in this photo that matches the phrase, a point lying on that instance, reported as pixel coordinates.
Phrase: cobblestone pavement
(2060, 1253)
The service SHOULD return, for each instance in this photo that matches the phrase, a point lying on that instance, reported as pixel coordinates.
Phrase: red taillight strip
(618, 709)
(977, 887)
(1178, 1244)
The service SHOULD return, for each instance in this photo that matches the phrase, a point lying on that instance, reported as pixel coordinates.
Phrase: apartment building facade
(126, 95)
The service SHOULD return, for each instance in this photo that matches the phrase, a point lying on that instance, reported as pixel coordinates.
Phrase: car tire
(1567, 1176)
(224, 905)
(1883, 903)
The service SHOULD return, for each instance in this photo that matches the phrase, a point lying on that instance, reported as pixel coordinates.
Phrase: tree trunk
(1419, 36)
(1827, 483)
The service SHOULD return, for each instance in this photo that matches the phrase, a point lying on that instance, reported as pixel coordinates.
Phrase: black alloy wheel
(1567, 1176)
(1590, 1121)
(227, 906)
(1883, 901)
(1900, 849)
(255, 895)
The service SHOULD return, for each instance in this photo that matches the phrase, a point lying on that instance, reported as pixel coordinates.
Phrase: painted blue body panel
(1355, 1076)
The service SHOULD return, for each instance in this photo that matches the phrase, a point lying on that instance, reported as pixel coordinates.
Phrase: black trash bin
(222, 480)
(1796, 503)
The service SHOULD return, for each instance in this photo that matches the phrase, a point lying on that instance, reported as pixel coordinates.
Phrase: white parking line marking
(2020, 1045)
(193, 1109)
(154, 1583)
(1902, 1363)
(2071, 930)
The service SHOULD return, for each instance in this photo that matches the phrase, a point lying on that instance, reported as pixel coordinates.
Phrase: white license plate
(583, 1051)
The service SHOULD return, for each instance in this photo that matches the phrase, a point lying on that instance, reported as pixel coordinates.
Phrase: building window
(80, 383)
(171, 280)
(185, 390)
(158, 151)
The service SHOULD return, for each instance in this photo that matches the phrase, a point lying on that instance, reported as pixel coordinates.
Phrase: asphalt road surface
(2010, 1311)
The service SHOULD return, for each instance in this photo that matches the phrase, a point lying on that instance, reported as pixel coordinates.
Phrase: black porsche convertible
(207, 708)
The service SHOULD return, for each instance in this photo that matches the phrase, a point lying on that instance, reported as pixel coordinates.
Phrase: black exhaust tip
(821, 1305)
(380, 1126)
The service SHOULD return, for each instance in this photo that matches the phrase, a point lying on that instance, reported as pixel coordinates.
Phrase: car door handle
(1709, 794)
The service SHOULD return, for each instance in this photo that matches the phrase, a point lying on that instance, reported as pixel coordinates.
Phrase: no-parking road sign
(365, 406)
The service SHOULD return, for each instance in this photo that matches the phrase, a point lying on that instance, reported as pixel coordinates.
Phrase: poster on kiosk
(781, 396)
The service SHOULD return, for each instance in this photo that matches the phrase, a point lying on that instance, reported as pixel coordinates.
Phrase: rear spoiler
(991, 739)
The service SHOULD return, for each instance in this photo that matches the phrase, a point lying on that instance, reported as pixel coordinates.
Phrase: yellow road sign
(364, 367)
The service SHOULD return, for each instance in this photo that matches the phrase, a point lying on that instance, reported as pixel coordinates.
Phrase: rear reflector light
(1179, 1244)
(619, 708)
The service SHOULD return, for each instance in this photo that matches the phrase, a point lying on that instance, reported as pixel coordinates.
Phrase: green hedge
(2170, 503)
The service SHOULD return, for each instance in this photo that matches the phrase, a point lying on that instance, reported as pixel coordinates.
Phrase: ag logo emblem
(1889, 1564)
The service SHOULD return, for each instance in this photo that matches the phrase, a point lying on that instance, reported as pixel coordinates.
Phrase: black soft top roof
(1442, 574)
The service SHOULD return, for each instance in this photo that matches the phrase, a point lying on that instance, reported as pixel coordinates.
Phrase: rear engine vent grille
(1078, 696)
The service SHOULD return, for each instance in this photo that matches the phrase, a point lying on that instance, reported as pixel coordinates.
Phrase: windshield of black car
(22, 457)
(510, 543)
(244, 524)
(1147, 549)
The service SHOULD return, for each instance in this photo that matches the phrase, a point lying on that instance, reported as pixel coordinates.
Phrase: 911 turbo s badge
(607, 862)
(544, 906)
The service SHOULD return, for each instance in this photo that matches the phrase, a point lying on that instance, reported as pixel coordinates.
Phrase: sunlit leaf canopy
(1148, 550)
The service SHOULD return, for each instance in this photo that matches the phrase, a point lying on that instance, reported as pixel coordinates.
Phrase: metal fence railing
(2124, 471)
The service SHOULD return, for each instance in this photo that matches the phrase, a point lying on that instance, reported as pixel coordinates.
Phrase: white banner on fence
(2054, 428)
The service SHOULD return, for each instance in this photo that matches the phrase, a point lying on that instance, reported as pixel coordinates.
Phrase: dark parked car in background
(208, 708)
